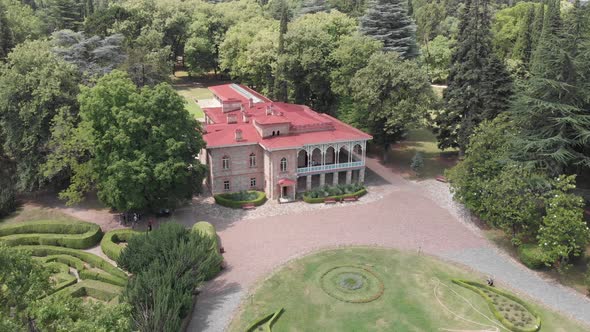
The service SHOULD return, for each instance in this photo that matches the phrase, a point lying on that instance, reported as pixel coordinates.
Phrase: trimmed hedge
(90, 259)
(310, 200)
(476, 287)
(225, 200)
(102, 276)
(207, 229)
(70, 261)
(265, 322)
(57, 267)
(96, 289)
(70, 234)
(110, 242)
(64, 280)
(531, 255)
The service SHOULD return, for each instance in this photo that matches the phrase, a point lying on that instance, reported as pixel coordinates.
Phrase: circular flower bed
(353, 284)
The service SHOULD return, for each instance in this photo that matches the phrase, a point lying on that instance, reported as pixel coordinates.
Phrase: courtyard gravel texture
(400, 214)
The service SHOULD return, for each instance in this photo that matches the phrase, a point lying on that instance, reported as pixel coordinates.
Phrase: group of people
(129, 217)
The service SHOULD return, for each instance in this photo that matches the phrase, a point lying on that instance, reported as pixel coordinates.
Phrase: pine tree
(6, 40)
(280, 88)
(523, 47)
(389, 22)
(550, 111)
(538, 23)
(479, 87)
(314, 6)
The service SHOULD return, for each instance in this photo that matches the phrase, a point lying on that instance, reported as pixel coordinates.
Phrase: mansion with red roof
(254, 143)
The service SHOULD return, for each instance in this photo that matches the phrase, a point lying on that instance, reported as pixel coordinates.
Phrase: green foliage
(91, 259)
(206, 229)
(102, 276)
(391, 95)
(168, 264)
(77, 235)
(479, 87)
(265, 322)
(337, 192)
(65, 313)
(142, 143)
(551, 107)
(7, 184)
(388, 21)
(110, 242)
(435, 56)
(417, 162)
(35, 86)
(308, 44)
(531, 255)
(23, 280)
(564, 234)
(512, 29)
(237, 200)
(68, 260)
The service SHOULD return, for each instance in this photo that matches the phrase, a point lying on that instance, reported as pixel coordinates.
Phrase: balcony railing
(329, 167)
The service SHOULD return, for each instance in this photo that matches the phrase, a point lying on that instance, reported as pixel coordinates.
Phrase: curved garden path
(407, 217)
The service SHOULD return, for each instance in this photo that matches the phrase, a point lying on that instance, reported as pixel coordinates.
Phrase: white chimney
(250, 103)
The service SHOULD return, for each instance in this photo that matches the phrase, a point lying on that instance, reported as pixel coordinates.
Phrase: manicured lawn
(417, 295)
(422, 140)
(190, 93)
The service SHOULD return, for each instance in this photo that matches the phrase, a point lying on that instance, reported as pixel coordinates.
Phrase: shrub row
(102, 276)
(311, 200)
(90, 259)
(70, 234)
(70, 261)
(57, 267)
(265, 322)
(531, 255)
(476, 287)
(110, 242)
(207, 229)
(227, 201)
(64, 280)
(96, 289)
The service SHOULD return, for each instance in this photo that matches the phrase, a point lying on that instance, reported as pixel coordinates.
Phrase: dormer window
(238, 134)
(225, 162)
(231, 118)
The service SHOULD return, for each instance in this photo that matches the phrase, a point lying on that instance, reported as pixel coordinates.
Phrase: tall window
(252, 182)
(225, 162)
(284, 165)
(226, 185)
(252, 160)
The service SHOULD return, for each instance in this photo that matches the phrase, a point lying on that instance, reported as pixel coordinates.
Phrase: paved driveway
(408, 217)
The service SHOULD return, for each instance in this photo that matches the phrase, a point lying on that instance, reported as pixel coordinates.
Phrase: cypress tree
(479, 87)
(550, 111)
(6, 40)
(280, 88)
(389, 22)
(538, 23)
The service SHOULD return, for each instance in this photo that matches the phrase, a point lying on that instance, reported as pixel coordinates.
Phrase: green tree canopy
(141, 146)
(391, 95)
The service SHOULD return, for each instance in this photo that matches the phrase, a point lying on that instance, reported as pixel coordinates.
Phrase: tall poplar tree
(6, 40)
(479, 87)
(280, 88)
(523, 47)
(389, 22)
(551, 109)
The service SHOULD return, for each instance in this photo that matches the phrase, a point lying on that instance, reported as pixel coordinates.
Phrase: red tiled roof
(306, 126)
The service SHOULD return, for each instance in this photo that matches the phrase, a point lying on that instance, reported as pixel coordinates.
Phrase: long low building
(254, 143)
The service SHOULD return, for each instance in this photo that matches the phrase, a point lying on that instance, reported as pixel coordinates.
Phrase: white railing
(329, 167)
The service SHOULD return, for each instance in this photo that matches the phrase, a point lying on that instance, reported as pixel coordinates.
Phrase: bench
(441, 178)
(330, 201)
(248, 206)
(350, 199)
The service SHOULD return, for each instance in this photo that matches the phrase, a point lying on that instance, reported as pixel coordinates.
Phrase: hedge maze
(58, 246)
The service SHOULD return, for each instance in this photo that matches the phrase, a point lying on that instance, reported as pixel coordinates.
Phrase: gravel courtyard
(398, 214)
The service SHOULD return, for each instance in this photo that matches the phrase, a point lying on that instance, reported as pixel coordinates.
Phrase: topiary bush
(237, 200)
(70, 234)
(531, 255)
(110, 242)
